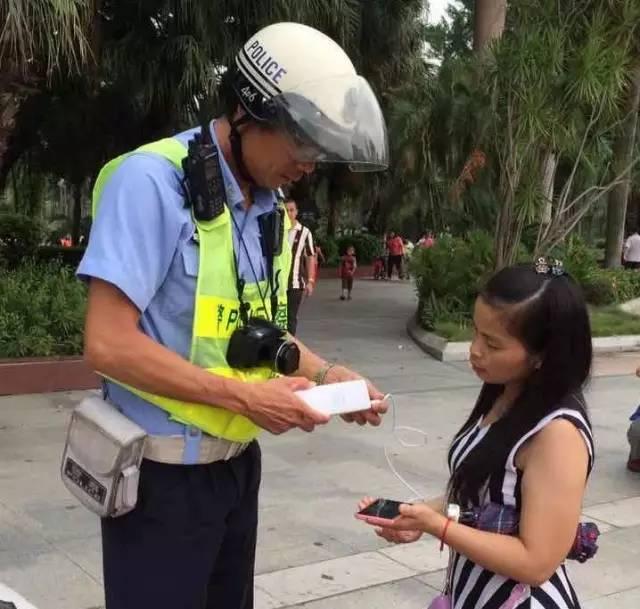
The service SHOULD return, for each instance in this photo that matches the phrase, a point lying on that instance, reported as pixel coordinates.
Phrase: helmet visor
(337, 120)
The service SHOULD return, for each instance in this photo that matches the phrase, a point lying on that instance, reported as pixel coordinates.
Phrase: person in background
(302, 277)
(379, 268)
(385, 254)
(631, 254)
(633, 435)
(348, 266)
(427, 240)
(408, 251)
(396, 252)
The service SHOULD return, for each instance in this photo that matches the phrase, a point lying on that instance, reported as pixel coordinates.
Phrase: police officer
(175, 278)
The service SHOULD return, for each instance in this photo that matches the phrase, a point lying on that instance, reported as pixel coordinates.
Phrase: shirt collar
(263, 198)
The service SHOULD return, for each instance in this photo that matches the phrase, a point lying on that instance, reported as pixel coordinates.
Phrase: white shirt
(632, 248)
(301, 243)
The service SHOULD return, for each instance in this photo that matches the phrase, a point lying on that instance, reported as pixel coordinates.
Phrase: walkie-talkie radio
(204, 185)
(271, 232)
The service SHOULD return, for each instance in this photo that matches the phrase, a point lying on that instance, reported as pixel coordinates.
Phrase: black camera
(262, 343)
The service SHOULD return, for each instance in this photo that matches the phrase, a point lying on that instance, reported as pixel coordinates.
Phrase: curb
(437, 346)
(45, 375)
(443, 350)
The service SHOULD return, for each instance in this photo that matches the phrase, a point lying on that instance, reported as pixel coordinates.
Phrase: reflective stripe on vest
(217, 308)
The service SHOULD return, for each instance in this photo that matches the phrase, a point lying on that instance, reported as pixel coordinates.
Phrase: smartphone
(380, 512)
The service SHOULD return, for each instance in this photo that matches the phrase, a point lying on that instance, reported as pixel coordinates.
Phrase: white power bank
(338, 398)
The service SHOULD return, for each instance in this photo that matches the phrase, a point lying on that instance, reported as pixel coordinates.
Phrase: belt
(170, 449)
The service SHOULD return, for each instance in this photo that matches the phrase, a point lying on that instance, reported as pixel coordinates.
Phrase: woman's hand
(388, 534)
(418, 517)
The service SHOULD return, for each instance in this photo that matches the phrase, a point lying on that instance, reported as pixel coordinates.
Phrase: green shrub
(611, 286)
(600, 286)
(449, 275)
(41, 311)
(367, 246)
(20, 236)
(598, 289)
(329, 249)
(579, 259)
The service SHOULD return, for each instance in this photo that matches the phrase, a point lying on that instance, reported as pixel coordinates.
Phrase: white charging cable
(394, 430)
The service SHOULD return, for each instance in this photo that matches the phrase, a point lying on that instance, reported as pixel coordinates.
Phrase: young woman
(527, 444)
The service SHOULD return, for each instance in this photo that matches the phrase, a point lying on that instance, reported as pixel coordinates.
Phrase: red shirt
(396, 247)
(347, 266)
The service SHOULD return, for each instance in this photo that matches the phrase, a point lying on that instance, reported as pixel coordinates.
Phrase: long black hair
(548, 315)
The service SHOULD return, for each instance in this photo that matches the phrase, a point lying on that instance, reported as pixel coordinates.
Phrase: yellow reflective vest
(217, 309)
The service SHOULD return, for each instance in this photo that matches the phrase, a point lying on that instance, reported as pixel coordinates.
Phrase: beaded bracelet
(321, 376)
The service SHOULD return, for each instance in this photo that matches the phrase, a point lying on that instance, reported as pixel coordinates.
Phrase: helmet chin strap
(236, 148)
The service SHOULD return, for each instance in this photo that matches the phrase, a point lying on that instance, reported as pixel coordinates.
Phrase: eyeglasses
(303, 150)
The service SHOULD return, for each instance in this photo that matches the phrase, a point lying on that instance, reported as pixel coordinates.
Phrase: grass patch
(454, 331)
(611, 321)
(605, 321)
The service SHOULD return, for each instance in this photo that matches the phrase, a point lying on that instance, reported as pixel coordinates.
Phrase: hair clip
(555, 267)
(542, 266)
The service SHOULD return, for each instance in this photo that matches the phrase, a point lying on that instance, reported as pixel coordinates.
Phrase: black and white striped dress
(472, 586)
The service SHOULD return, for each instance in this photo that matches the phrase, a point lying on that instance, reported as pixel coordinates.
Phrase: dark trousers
(294, 298)
(190, 542)
(395, 261)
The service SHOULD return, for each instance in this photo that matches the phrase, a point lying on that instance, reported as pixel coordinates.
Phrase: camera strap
(274, 282)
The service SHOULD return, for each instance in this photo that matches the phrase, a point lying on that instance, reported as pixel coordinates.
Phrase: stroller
(379, 268)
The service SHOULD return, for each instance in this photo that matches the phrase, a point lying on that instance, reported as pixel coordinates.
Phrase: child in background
(348, 266)
(379, 270)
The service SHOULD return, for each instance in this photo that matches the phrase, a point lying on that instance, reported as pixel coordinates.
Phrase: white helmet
(296, 78)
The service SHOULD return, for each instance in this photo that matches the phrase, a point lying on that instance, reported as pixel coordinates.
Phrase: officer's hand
(379, 406)
(274, 406)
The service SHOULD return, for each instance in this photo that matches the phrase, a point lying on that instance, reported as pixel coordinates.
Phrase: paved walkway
(311, 549)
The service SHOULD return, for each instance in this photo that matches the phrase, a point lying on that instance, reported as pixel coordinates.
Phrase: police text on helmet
(265, 62)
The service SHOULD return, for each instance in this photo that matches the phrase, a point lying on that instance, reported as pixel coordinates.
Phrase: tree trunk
(334, 194)
(331, 217)
(77, 213)
(549, 166)
(622, 158)
(9, 106)
(489, 19)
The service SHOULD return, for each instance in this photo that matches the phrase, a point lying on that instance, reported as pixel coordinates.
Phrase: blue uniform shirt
(142, 241)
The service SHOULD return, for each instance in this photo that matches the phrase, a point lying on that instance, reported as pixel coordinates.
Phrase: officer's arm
(310, 363)
(115, 346)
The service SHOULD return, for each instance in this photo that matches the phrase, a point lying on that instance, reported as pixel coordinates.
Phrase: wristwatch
(453, 512)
